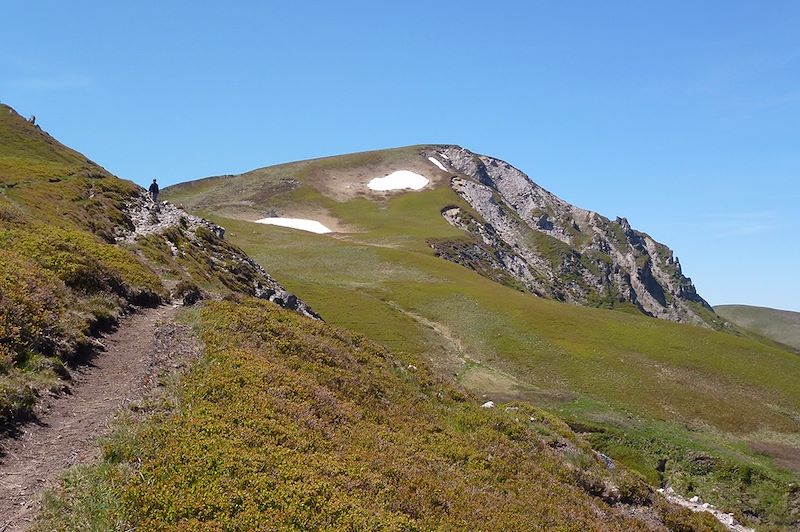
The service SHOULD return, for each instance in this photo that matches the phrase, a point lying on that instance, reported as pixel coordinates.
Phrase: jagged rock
(556, 250)
(607, 461)
(149, 218)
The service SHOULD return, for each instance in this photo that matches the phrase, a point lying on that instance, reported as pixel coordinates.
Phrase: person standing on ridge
(154, 191)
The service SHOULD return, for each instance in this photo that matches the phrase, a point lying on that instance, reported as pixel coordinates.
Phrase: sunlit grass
(292, 424)
(710, 389)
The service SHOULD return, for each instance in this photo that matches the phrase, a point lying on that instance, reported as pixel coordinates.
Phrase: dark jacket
(153, 188)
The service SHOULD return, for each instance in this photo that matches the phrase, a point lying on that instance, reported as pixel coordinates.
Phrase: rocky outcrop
(195, 248)
(695, 504)
(556, 250)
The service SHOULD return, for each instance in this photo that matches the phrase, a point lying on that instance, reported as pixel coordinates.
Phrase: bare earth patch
(66, 430)
(786, 456)
(347, 182)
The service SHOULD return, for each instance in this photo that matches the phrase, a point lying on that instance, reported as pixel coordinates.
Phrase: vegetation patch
(718, 471)
(61, 280)
(290, 423)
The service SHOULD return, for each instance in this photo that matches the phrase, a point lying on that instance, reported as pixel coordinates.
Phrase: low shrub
(188, 292)
(291, 423)
(83, 263)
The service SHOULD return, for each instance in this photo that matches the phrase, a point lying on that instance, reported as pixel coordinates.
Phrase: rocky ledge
(197, 248)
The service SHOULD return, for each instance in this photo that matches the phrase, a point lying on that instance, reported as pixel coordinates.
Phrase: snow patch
(402, 179)
(435, 161)
(312, 226)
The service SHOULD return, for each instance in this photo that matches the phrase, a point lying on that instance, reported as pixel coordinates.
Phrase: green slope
(782, 326)
(645, 389)
(61, 278)
(289, 424)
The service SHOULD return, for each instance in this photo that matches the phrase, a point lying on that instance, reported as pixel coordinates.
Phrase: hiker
(154, 191)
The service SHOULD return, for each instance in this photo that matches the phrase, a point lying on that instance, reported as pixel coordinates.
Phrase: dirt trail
(65, 434)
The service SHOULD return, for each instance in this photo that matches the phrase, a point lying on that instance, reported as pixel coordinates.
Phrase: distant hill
(780, 325)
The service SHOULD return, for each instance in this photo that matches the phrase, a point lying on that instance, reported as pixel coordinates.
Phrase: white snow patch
(312, 226)
(435, 161)
(399, 180)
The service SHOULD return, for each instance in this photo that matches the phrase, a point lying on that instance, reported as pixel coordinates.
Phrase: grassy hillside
(64, 276)
(288, 423)
(285, 421)
(61, 278)
(782, 326)
(680, 404)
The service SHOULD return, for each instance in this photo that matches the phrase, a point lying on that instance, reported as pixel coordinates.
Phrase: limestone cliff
(530, 239)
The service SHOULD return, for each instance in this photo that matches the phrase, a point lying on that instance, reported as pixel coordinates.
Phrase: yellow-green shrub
(290, 423)
(36, 328)
(33, 315)
(83, 262)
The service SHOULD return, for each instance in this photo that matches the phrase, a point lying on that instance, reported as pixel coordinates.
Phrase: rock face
(529, 238)
(194, 241)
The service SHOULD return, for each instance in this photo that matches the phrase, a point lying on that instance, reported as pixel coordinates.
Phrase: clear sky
(682, 116)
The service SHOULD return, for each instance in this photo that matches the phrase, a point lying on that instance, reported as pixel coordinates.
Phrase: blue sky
(685, 118)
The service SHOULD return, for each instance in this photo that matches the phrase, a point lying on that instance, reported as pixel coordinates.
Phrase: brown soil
(65, 431)
(786, 456)
(346, 183)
